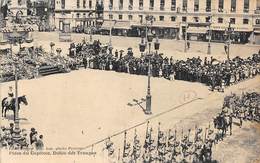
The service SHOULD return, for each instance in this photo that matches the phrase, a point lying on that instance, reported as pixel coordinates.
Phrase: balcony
(208, 9)
(220, 10)
(120, 7)
(246, 10)
(173, 8)
(141, 7)
(233, 9)
(151, 8)
(257, 11)
(162, 8)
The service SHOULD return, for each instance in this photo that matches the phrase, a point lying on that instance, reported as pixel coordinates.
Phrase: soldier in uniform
(177, 154)
(109, 145)
(126, 155)
(10, 95)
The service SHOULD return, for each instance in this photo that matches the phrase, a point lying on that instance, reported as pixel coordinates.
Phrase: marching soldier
(177, 154)
(109, 146)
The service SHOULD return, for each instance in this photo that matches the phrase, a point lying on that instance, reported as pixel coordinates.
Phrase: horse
(11, 106)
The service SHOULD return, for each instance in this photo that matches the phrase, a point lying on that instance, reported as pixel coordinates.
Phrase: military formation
(195, 146)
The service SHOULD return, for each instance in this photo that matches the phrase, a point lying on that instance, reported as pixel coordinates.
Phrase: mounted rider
(10, 95)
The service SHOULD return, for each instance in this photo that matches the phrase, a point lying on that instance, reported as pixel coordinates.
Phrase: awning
(107, 24)
(27, 45)
(257, 31)
(4, 47)
(165, 25)
(197, 30)
(122, 25)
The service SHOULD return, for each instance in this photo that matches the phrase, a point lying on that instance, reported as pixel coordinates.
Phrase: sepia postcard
(130, 81)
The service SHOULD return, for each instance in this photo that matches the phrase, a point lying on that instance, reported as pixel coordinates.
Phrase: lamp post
(228, 32)
(209, 43)
(16, 37)
(186, 32)
(110, 30)
(142, 48)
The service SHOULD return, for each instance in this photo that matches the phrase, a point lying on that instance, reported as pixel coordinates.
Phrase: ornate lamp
(150, 36)
(142, 45)
(157, 44)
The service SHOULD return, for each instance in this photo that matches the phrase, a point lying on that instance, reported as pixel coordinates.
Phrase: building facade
(172, 17)
(77, 15)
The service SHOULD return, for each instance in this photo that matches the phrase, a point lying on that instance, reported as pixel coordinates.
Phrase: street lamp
(228, 32)
(142, 48)
(209, 43)
(16, 37)
(186, 33)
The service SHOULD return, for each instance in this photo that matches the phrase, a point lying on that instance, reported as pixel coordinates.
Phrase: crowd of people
(210, 71)
(244, 107)
(196, 145)
(95, 55)
(10, 140)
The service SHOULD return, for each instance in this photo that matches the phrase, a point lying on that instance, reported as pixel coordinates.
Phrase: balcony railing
(220, 10)
(257, 11)
(151, 8)
(121, 7)
(130, 7)
(141, 7)
(173, 8)
(246, 10)
(208, 9)
(162, 8)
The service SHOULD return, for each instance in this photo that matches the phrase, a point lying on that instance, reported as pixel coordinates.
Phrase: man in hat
(33, 139)
(10, 95)
(39, 143)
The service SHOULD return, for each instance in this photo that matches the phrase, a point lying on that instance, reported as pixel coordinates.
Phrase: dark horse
(11, 106)
(223, 123)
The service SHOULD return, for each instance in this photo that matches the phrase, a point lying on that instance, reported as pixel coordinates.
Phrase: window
(173, 5)
(78, 4)
(220, 20)
(111, 3)
(141, 18)
(162, 4)
(173, 18)
(258, 5)
(84, 15)
(90, 4)
(141, 4)
(84, 3)
(161, 18)
(196, 5)
(110, 16)
(207, 19)
(220, 5)
(63, 4)
(130, 17)
(78, 15)
(233, 5)
(245, 21)
(184, 5)
(232, 21)
(208, 5)
(257, 21)
(121, 4)
(120, 17)
(130, 7)
(151, 5)
(196, 19)
(184, 19)
(246, 6)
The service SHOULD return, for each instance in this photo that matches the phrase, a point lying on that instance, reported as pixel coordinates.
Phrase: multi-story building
(172, 17)
(71, 14)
